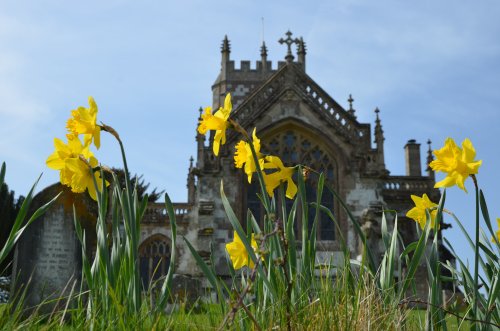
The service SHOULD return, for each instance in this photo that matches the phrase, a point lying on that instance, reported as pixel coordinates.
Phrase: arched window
(296, 148)
(154, 258)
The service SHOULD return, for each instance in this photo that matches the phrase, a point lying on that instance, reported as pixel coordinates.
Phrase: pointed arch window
(154, 259)
(293, 148)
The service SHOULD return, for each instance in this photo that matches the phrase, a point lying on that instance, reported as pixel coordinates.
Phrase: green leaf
(290, 236)
(486, 216)
(18, 228)
(329, 213)
(85, 262)
(253, 222)
(313, 236)
(357, 228)
(494, 294)
(167, 284)
(410, 248)
(385, 232)
(306, 259)
(489, 253)
(203, 266)
(415, 260)
(236, 224)
(392, 256)
(239, 230)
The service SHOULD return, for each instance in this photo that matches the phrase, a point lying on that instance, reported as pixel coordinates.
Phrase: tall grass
(283, 287)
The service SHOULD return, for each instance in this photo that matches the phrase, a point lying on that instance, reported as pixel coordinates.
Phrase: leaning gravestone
(47, 258)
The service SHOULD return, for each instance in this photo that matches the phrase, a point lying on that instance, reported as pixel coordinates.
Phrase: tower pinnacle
(263, 50)
(263, 56)
(200, 141)
(430, 158)
(226, 47)
(379, 133)
(301, 53)
(379, 138)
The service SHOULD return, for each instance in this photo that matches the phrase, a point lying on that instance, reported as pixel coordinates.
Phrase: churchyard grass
(276, 281)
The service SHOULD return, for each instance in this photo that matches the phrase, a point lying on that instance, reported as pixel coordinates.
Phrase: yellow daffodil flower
(458, 163)
(283, 174)
(498, 231)
(218, 122)
(82, 178)
(64, 152)
(418, 213)
(74, 172)
(83, 121)
(238, 253)
(243, 156)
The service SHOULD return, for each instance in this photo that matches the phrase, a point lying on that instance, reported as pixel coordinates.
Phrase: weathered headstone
(47, 259)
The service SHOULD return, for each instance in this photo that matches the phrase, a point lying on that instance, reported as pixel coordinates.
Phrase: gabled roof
(292, 77)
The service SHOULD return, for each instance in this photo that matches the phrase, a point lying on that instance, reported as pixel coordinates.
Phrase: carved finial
(377, 120)
(351, 109)
(225, 48)
(350, 100)
(201, 111)
(191, 159)
(289, 41)
(263, 50)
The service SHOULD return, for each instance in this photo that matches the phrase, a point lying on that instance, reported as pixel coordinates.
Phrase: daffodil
(74, 172)
(458, 163)
(498, 231)
(218, 122)
(243, 156)
(83, 176)
(283, 174)
(72, 150)
(418, 213)
(238, 253)
(83, 121)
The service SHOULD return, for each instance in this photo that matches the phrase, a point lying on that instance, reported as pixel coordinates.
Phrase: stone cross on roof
(289, 41)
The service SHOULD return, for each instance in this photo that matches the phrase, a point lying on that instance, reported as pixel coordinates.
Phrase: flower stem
(246, 136)
(476, 254)
(131, 228)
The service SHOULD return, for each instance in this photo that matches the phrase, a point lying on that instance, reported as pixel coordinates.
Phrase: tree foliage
(9, 207)
(142, 186)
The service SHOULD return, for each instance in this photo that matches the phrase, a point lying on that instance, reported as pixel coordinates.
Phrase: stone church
(300, 122)
(296, 120)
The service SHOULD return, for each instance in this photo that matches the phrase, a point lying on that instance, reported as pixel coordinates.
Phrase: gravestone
(47, 258)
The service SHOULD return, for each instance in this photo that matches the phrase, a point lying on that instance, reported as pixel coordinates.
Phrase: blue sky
(432, 67)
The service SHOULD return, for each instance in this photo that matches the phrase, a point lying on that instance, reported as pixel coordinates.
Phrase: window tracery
(154, 259)
(293, 148)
